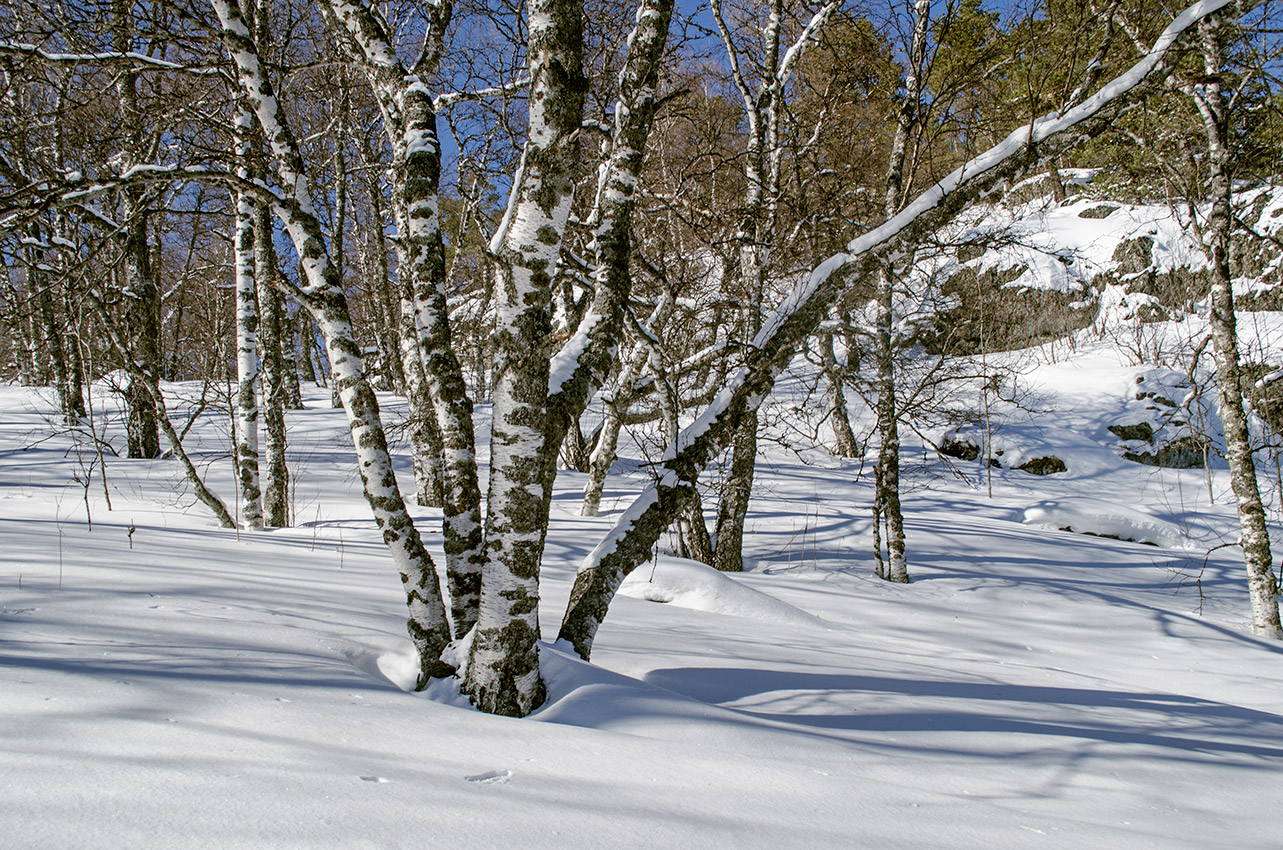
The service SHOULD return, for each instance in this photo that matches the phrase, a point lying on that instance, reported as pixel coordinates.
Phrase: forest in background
(515, 205)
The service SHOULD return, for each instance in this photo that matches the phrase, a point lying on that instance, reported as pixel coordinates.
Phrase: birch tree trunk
(247, 320)
(844, 442)
(887, 497)
(503, 672)
(1263, 586)
(43, 316)
(728, 534)
(755, 240)
(581, 367)
(410, 122)
(322, 295)
(603, 456)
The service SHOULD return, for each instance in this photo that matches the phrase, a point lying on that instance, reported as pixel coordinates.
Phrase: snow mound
(1108, 519)
(690, 584)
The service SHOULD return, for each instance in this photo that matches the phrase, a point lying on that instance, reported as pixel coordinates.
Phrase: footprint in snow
(490, 777)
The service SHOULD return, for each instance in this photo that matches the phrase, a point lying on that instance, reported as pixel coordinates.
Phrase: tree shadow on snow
(1182, 726)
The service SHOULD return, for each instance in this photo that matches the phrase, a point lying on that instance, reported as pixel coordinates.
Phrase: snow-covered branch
(134, 61)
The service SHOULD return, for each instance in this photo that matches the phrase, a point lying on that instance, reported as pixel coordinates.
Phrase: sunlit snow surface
(165, 683)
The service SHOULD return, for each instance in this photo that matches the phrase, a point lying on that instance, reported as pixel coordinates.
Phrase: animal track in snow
(490, 777)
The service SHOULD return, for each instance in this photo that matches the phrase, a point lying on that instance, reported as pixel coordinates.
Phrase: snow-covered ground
(166, 683)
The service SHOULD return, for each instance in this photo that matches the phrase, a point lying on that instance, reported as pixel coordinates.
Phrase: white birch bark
(322, 295)
(409, 121)
(1210, 99)
(246, 337)
(580, 368)
(503, 672)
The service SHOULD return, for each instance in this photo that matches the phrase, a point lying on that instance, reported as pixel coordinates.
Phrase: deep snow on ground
(166, 683)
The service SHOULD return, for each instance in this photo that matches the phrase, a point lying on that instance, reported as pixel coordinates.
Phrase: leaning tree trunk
(322, 295)
(1263, 586)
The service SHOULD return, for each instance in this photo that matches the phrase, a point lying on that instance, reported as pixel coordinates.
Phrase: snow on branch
(448, 99)
(135, 61)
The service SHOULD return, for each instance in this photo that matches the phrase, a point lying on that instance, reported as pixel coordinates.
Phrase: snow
(690, 584)
(565, 362)
(166, 681)
(1106, 519)
(1060, 248)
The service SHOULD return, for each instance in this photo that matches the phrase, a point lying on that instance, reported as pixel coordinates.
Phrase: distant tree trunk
(71, 388)
(728, 538)
(603, 456)
(58, 370)
(73, 398)
(142, 318)
(844, 442)
(576, 453)
(693, 532)
(887, 480)
(142, 295)
(274, 373)
(19, 328)
(888, 477)
(616, 403)
(301, 343)
(247, 321)
(1263, 585)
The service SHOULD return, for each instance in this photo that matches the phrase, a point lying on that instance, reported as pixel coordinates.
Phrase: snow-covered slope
(167, 683)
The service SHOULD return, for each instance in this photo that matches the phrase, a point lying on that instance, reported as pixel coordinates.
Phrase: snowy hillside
(169, 683)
